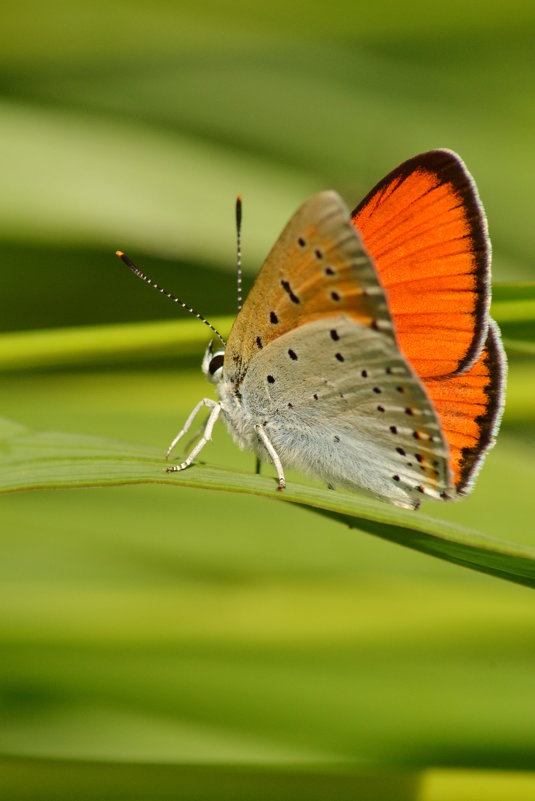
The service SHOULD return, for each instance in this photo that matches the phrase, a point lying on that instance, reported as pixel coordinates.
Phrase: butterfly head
(212, 363)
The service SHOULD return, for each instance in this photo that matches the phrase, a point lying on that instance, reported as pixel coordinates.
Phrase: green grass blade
(26, 778)
(517, 291)
(513, 308)
(41, 779)
(50, 460)
(101, 344)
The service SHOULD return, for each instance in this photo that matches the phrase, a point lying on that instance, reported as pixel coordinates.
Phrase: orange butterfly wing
(470, 407)
(426, 231)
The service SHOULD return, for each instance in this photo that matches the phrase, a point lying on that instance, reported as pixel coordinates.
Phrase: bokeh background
(161, 643)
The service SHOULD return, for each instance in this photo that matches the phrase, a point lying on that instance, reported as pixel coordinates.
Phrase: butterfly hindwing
(426, 231)
(470, 407)
(337, 399)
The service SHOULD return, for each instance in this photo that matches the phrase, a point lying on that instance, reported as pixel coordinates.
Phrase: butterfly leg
(196, 435)
(273, 453)
(207, 433)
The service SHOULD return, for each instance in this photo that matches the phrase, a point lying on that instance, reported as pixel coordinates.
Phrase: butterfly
(364, 353)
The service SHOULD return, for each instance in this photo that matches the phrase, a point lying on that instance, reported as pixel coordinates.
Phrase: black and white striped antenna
(150, 282)
(238, 250)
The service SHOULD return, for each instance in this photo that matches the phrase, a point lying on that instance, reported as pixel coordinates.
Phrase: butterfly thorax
(228, 378)
(237, 418)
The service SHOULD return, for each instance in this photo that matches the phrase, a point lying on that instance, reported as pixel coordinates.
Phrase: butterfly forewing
(338, 400)
(317, 268)
(426, 231)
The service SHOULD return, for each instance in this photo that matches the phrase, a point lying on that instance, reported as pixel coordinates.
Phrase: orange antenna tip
(125, 258)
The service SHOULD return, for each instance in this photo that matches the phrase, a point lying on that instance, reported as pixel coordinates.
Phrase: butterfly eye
(212, 364)
(216, 362)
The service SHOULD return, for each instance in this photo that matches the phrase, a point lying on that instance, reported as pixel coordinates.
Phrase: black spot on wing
(291, 294)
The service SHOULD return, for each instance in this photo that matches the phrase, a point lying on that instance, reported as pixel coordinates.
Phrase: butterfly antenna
(238, 250)
(150, 282)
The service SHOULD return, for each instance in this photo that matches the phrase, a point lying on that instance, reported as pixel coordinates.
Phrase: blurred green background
(161, 643)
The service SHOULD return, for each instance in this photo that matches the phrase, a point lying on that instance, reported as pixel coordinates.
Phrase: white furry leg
(274, 455)
(208, 402)
(206, 437)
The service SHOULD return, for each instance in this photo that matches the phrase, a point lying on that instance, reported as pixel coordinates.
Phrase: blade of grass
(103, 344)
(502, 293)
(24, 778)
(41, 779)
(513, 308)
(50, 460)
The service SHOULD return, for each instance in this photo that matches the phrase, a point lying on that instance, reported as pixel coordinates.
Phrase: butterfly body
(364, 354)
